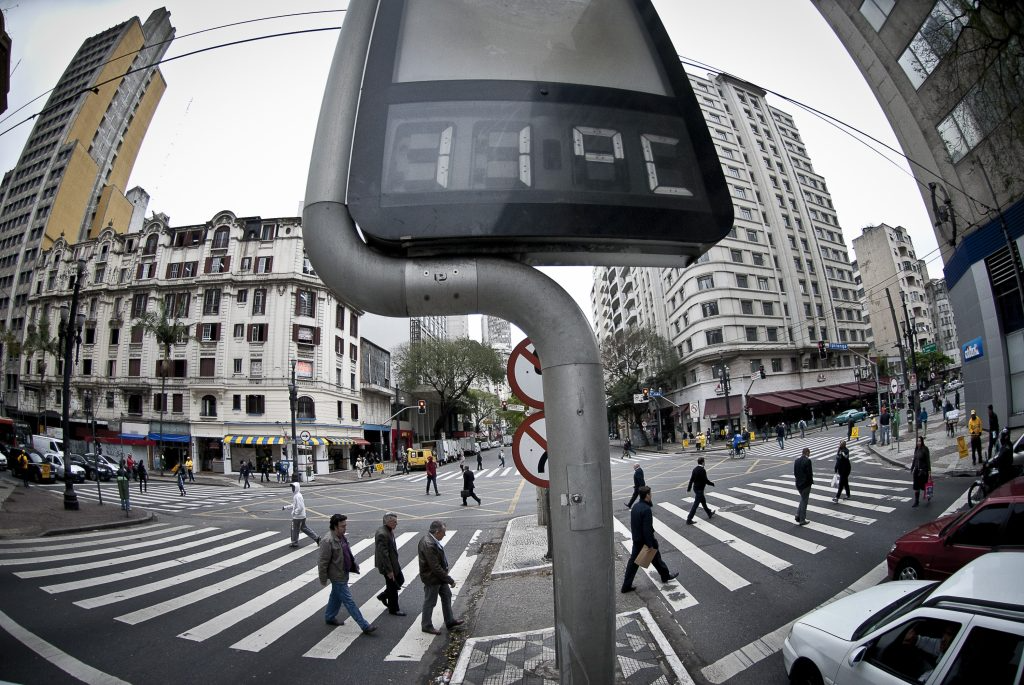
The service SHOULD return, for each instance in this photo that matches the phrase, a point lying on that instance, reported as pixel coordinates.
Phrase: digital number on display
(506, 146)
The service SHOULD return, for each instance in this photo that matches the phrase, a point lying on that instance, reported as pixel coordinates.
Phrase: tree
(480, 405)
(167, 332)
(928, 362)
(449, 368)
(632, 359)
(38, 339)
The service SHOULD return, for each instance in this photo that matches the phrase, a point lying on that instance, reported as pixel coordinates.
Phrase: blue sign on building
(972, 349)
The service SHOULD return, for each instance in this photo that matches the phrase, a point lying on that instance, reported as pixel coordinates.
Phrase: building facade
(72, 176)
(948, 76)
(257, 319)
(765, 296)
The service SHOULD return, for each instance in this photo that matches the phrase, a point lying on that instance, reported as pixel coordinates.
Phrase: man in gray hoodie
(299, 517)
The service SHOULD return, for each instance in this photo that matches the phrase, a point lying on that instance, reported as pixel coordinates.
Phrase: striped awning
(317, 441)
(348, 441)
(254, 439)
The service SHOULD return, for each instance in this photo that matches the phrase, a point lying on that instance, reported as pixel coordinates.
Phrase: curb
(148, 518)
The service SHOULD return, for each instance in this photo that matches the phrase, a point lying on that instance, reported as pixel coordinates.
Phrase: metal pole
(293, 398)
(903, 356)
(68, 328)
(95, 452)
(913, 361)
(580, 480)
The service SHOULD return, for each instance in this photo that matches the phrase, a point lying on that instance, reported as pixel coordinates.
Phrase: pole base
(70, 500)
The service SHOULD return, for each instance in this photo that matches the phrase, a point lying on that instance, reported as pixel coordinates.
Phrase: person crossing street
(641, 524)
(803, 473)
(468, 485)
(432, 475)
(842, 469)
(334, 563)
(299, 517)
(385, 558)
(638, 482)
(698, 481)
(436, 580)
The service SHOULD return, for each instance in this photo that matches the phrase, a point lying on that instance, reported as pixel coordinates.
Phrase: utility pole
(903, 356)
(293, 398)
(913, 360)
(723, 374)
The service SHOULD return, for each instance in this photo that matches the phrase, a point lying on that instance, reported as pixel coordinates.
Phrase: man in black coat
(385, 558)
(698, 481)
(641, 525)
(468, 485)
(638, 482)
(803, 472)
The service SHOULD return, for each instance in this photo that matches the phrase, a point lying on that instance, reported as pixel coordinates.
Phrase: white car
(967, 630)
(77, 472)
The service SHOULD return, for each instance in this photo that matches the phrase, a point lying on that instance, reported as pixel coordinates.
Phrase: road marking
(826, 498)
(111, 550)
(414, 644)
(783, 516)
(194, 596)
(52, 655)
(745, 548)
(904, 483)
(133, 591)
(152, 568)
(109, 536)
(704, 561)
(832, 513)
(675, 594)
(515, 498)
(769, 532)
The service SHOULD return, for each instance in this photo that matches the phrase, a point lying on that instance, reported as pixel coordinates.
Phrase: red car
(936, 550)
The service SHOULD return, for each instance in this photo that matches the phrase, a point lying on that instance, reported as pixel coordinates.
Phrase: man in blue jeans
(335, 562)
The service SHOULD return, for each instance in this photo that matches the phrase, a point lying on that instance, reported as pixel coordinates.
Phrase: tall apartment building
(71, 178)
(948, 76)
(887, 262)
(253, 307)
(943, 320)
(766, 294)
(497, 333)
(458, 326)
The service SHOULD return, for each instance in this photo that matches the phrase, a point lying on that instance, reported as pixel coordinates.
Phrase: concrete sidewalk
(945, 451)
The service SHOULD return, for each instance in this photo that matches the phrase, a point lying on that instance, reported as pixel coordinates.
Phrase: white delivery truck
(44, 444)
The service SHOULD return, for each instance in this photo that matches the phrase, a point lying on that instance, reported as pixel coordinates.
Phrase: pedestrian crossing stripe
(165, 497)
(672, 592)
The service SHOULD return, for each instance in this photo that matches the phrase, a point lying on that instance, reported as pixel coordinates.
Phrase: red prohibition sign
(530, 450)
(524, 374)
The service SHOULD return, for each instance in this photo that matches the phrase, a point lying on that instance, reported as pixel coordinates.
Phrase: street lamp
(69, 334)
(293, 399)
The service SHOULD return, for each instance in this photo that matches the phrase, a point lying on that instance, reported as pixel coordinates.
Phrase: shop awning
(254, 439)
(348, 441)
(770, 403)
(122, 439)
(716, 406)
(168, 437)
(317, 441)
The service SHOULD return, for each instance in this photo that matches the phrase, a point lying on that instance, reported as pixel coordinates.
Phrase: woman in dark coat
(921, 468)
(843, 468)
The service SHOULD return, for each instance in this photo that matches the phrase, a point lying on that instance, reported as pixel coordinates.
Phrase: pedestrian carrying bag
(646, 556)
(929, 489)
(835, 480)
(465, 494)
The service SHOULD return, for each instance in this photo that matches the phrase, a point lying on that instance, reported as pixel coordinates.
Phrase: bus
(8, 437)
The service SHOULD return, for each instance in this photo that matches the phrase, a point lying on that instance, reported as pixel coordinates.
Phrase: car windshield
(900, 607)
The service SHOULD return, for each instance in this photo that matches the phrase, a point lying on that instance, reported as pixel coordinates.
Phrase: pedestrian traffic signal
(760, 370)
(822, 350)
(504, 405)
(422, 406)
(647, 393)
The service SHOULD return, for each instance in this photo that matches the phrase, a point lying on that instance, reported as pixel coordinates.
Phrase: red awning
(769, 403)
(716, 406)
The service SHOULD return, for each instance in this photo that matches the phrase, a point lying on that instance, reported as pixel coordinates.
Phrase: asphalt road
(213, 591)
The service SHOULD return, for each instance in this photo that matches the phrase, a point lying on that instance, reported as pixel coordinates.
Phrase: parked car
(937, 549)
(91, 467)
(850, 415)
(77, 472)
(968, 629)
(3, 461)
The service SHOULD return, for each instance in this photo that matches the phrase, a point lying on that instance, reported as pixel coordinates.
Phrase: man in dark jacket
(698, 481)
(641, 524)
(385, 558)
(804, 474)
(468, 483)
(436, 581)
(334, 564)
(638, 482)
(993, 430)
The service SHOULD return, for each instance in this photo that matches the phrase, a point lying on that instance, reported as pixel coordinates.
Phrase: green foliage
(632, 359)
(166, 330)
(931, 361)
(479, 406)
(449, 368)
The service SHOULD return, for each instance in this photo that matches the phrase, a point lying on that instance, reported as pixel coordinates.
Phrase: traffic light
(647, 393)
(504, 405)
(422, 404)
(760, 370)
(822, 350)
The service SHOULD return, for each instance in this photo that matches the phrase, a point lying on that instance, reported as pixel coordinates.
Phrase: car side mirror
(857, 655)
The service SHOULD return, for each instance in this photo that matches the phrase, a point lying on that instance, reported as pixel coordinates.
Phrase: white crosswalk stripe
(225, 563)
(165, 497)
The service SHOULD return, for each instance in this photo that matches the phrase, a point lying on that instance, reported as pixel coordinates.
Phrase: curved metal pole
(580, 472)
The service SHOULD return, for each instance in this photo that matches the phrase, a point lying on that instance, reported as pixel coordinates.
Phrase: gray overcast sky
(235, 128)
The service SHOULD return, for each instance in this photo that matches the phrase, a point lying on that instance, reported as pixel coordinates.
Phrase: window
(746, 213)
(246, 263)
(264, 265)
(177, 403)
(220, 240)
(239, 330)
(218, 265)
(736, 255)
(763, 283)
(135, 404)
(207, 366)
(256, 368)
(747, 306)
(236, 402)
(758, 258)
(139, 303)
(159, 402)
(709, 309)
(115, 336)
(208, 407)
(768, 308)
(772, 334)
(353, 325)
(936, 36)
(751, 333)
(137, 334)
(211, 302)
(111, 368)
(306, 335)
(151, 242)
(713, 336)
(339, 317)
(257, 332)
(355, 411)
(254, 404)
(305, 303)
(705, 282)
(353, 352)
(146, 271)
(259, 301)
(752, 236)
(135, 367)
(742, 281)
(236, 365)
(305, 408)
(209, 332)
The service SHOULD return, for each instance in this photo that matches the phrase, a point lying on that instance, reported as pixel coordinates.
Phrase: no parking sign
(530, 450)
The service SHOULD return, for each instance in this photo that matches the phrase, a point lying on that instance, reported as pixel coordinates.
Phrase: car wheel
(975, 494)
(805, 673)
(907, 570)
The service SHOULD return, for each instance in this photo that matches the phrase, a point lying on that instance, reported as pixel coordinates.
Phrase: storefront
(342, 452)
(239, 449)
